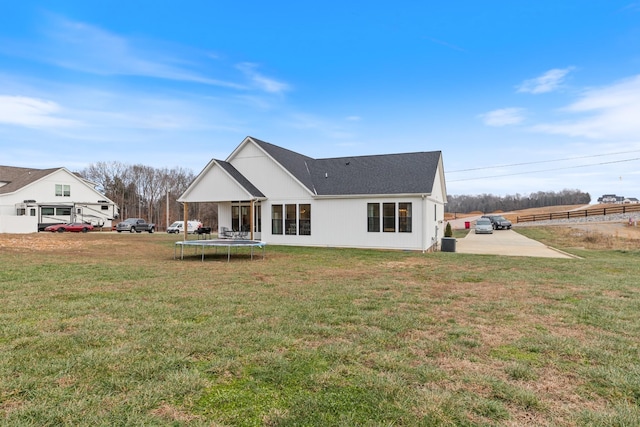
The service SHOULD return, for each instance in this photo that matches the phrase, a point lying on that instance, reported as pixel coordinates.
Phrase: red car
(77, 227)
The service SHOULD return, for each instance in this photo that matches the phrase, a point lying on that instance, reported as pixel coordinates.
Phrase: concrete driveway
(506, 242)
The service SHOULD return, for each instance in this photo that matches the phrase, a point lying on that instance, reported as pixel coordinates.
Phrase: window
(32, 212)
(389, 217)
(305, 220)
(244, 211)
(104, 207)
(373, 217)
(63, 190)
(63, 211)
(48, 211)
(235, 218)
(404, 217)
(21, 211)
(257, 219)
(276, 219)
(290, 220)
(404, 212)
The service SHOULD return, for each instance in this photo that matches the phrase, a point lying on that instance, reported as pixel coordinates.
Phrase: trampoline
(216, 243)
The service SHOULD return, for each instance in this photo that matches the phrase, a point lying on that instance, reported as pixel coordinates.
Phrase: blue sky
(520, 96)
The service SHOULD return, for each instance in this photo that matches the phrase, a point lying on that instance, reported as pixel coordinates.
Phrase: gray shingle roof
(405, 173)
(16, 178)
(296, 163)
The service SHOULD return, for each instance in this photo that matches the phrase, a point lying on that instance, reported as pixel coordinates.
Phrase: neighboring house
(30, 199)
(282, 197)
(631, 201)
(610, 198)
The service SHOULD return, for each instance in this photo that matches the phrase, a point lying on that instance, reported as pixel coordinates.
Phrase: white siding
(267, 175)
(216, 185)
(343, 223)
(436, 199)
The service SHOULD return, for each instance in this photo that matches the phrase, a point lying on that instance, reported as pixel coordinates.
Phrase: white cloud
(503, 117)
(354, 118)
(263, 83)
(90, 49)
(610, 112)
(548, 82)
(32, 112)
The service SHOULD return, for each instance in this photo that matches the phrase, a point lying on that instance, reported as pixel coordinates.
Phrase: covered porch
(239, 201)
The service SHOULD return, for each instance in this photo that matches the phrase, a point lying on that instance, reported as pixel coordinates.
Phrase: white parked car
(178, 227)
(484, 225)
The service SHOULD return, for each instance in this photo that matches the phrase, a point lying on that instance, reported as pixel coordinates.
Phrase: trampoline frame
(229, 243)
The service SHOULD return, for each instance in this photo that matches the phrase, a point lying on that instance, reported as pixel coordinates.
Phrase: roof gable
(219, 181)
(295, 164)
(240, 179)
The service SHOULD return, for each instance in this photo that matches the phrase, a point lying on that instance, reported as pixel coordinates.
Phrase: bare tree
(490, 203)
(145, 191)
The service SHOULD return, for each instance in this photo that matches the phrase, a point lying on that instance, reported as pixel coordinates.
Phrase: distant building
(31, 199)
(612, 198)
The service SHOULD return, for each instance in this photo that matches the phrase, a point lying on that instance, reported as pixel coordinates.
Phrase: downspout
(424, 223)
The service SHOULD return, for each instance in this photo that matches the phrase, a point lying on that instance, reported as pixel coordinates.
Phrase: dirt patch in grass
(170, 413)
(48, 242)
(597, 235)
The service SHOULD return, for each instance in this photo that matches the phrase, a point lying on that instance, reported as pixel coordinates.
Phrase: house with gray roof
(269, 193)
(31, 199)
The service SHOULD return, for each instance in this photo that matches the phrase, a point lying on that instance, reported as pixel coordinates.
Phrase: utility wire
(543, 170)
(545, 161)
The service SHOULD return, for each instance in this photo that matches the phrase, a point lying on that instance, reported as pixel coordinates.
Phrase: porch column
(251, 215)
(185, 214)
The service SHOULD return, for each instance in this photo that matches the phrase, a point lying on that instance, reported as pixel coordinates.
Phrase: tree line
(149, 193)
(490, 203)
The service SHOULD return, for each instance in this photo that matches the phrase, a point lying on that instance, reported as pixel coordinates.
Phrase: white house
(31, 199)
(393, 201)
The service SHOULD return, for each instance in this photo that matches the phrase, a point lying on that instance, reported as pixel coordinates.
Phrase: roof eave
(370, 196)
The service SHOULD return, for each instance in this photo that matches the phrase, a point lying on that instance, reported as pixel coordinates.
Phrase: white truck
(178, 227)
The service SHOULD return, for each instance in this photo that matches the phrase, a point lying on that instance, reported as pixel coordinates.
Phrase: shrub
(448, 232)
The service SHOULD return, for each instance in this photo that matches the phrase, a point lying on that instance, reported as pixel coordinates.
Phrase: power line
(545, 161)
(543, 170)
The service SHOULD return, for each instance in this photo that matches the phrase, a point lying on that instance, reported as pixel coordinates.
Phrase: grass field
(108, 329)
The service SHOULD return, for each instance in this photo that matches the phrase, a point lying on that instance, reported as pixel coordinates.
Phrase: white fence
(18, 224)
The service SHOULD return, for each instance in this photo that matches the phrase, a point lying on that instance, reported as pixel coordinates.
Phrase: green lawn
(109, 329)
